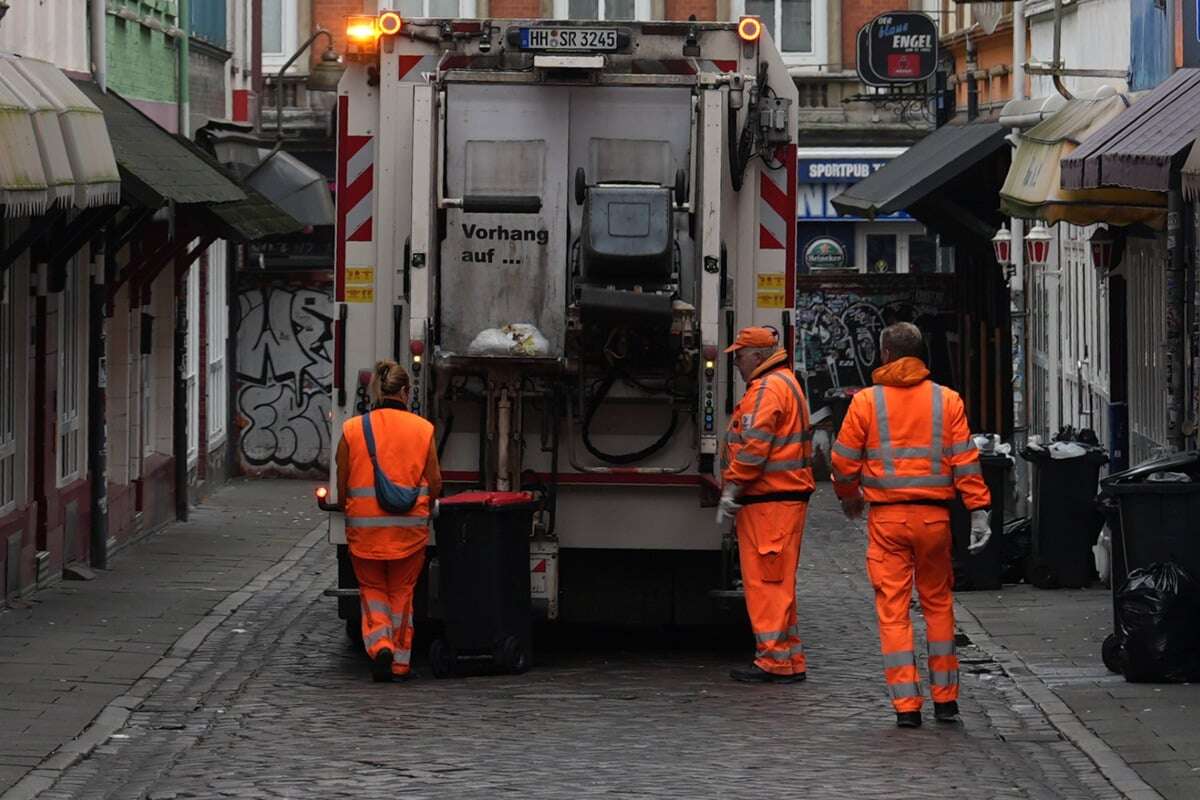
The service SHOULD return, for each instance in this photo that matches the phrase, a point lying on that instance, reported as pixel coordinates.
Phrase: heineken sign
(896, 48)
(825, 253)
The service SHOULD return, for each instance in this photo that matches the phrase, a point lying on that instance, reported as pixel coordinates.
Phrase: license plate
(568, 39)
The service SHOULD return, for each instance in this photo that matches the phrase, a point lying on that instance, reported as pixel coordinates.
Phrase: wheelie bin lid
(1187, 461)
(488, 499)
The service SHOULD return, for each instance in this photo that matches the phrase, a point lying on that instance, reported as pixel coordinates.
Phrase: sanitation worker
(905, 448)
(387, 460)
(767, 480)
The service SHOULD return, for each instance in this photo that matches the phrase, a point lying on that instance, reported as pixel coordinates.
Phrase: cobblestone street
(273, 703)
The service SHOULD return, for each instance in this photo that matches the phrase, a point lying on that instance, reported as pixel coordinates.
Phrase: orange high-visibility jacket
(906, 440)
(402, 442)
(768, 446)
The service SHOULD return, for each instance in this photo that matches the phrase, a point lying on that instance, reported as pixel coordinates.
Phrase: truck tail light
(390, 23)
(749, 29)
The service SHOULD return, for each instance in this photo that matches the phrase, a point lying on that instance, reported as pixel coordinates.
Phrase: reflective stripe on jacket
(402, 442)
(768, 445)
(906, 439)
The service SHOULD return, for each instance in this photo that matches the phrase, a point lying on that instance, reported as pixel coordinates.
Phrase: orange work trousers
(385, 588)
(907, 542)
(769, 537)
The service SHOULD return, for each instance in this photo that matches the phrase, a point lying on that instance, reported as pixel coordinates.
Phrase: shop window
(436, 8)
(72, 345)
(192, 364)
(10, 397)
(217, 389)
(797, 26)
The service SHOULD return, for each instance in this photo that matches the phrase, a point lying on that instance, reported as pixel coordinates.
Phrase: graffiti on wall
(284, 372)
(838, 323)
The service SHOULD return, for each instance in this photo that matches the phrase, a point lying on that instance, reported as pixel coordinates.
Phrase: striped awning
(54, 147)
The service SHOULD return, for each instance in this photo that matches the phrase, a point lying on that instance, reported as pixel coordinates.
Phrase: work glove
(852, 507)
(435, 508)
(981, 530)
(728, 507)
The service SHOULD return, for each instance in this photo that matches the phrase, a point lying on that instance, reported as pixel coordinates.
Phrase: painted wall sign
(814, 201)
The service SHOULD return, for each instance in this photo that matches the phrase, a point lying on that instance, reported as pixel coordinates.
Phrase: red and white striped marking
(413, 69)
(777, 198)
(355, 190)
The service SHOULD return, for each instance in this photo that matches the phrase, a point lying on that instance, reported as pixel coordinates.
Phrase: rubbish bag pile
(516, 339)
(1158, 617)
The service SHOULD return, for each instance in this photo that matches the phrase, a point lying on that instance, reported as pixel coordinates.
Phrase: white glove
(728, 507)
(981, 530)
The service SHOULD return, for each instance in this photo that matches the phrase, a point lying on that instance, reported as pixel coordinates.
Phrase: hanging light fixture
(1002, 243)
(1037, 245)
(1103, 246)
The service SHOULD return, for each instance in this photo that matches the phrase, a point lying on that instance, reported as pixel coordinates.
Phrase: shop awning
(1139, 148)
(1191, 174)
(922, 169)
(1032, 189)
(1030, 112)
(54, 148)
(158, 167)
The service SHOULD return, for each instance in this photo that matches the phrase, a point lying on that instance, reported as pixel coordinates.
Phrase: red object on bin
(493, 499)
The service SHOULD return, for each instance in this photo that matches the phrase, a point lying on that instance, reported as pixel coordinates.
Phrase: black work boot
(381, 666)
(756, 674)
(908, 719)
(946, 712)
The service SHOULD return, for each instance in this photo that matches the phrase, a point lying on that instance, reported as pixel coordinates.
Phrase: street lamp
(1103, 245)
(1037, 245)
(1002, 244)
(323, 78)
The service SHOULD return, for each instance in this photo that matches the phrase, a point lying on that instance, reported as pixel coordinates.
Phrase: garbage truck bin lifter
(556, 226)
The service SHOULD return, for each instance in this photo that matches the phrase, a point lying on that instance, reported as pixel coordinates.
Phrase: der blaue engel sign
(902, 47)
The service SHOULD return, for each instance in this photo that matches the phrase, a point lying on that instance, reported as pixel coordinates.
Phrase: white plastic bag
(517, 339)
(1062, 450)
(1102, 552)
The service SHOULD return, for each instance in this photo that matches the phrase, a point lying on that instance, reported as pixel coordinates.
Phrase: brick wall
(854, 16)
(517, 9)
(206, 87)
(682, 9)
(331, 15)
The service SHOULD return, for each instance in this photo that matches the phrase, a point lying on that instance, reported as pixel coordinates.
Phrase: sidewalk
(1054, 639)
(80, 645)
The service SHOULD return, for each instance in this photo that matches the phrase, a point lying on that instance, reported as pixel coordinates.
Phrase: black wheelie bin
(1066, 520)
(483, 581)
(1158, 521)
(983, 570)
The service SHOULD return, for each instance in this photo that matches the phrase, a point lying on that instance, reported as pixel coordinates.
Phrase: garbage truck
(557, 227)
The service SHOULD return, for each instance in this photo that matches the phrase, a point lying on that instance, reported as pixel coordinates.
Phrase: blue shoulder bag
(391, 498)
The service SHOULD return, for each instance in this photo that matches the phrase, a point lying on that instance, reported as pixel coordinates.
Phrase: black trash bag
(1017, 546)
(1158, 614)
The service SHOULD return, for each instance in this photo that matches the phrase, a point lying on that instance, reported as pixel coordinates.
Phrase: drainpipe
(183, 48)
(1176, 311)
(972, 84)
(256, 57)
(99, 44)
(1058, 81)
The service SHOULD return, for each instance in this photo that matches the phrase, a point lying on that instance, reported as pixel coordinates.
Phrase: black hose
(622, 458)
(445, 436)
(735, 168)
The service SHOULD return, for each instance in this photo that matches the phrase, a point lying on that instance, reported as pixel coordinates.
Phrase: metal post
(98, 309)
(1018, 313)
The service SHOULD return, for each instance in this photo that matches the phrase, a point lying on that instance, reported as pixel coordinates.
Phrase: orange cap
(754, 337)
